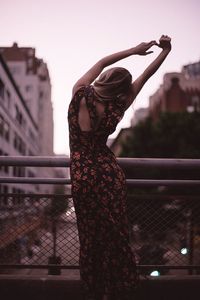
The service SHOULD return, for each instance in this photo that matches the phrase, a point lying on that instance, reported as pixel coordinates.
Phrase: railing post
(54, 260)
(191, 241)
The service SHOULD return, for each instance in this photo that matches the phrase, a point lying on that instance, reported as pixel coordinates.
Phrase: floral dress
(107, 263)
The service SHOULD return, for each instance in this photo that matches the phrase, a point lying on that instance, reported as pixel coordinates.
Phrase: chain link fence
(165, 231)
(40, 230)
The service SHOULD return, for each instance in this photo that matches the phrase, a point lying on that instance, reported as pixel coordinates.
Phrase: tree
(174, 135)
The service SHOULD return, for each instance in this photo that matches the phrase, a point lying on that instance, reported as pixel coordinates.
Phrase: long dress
(107, 263)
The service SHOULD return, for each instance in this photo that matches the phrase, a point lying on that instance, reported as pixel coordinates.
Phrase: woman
(107, 264)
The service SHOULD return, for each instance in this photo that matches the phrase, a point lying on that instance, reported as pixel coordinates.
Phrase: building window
(19, 144)
(18, 171)
(31, 135)
(16, 70)
(8, 99)
(19, 117)
(1, 125)
(29, 88)
(6, 131)
(4, 128)
(4, 168)
(196, 103)
(2, 89)
(31, 173)
(30, 62)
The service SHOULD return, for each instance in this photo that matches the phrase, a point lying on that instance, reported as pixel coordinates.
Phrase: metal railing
(39, 230)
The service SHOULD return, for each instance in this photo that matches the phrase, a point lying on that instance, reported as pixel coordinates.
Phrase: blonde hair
(112, 83)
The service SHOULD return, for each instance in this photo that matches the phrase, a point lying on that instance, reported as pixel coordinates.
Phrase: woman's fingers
(165, 37)
(151, 43)
(165, 42)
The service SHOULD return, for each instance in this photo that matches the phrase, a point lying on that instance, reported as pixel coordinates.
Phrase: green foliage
(174, 135)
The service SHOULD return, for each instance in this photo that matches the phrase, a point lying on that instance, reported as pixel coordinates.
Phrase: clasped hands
(164, 43)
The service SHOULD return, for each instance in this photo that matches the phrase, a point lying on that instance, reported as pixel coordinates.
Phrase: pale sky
(71, 36)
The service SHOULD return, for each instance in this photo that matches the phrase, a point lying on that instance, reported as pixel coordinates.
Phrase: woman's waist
(97, 165)
(94, 153)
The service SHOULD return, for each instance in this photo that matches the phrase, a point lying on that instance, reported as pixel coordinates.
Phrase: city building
(32, 78)
(32, 82)
(26, 129)
(19, 134)
(180, 91)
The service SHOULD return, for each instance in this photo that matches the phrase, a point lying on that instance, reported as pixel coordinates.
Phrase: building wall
(32, 78)
(18, 133)
(27, 85)
(178, 93)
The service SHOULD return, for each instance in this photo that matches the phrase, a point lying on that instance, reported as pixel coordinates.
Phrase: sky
(71, 36)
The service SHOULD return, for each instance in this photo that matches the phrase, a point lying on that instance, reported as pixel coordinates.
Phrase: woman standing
(107, 263)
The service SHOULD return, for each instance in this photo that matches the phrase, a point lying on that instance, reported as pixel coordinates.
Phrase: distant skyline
(70, 36)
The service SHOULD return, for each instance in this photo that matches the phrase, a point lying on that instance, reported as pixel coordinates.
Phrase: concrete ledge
(52, 287)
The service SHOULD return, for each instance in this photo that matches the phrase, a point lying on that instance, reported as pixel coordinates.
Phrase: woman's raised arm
(93, 72)
(165, 44)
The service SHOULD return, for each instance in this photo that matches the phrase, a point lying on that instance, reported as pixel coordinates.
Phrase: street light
(155, 273)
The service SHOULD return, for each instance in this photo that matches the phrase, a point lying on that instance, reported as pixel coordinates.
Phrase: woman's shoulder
(85, 89)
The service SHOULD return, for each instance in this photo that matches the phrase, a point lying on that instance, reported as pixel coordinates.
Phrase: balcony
(39, 243)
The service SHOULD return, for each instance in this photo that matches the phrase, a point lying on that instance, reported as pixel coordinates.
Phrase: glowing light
(184, 251)
(155, 273)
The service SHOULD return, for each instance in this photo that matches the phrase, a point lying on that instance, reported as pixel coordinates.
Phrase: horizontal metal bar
(34, 180)
(130, 182)
(174, 267)
(35, 196)
(164, 182)
(161, 197)
(164, 163)
(17, 266)
(53, 161)
(37, 161)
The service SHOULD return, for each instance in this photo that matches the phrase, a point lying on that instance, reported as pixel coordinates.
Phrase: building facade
(32, 78)
(178, 92)
(32, 81)
(19, 134)
(26, 129)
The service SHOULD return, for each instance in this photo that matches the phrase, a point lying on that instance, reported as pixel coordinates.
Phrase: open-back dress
(107, 263)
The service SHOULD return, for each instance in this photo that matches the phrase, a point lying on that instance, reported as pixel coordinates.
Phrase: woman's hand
(142, 48)
(165, 42)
